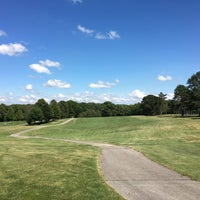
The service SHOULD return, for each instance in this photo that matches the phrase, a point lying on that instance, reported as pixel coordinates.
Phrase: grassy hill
(41, 169)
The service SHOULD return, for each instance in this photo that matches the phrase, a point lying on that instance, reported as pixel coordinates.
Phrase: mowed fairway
(33, 169)
(172, 142)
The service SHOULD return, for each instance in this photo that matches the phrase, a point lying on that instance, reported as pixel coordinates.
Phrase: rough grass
(38, 169)
(172, 142)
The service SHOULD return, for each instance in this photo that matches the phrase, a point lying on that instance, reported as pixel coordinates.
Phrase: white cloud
(102, 84)
(49, 63)
(88, 96)
(164, 78)
(85, 30)
(76, 1)
(111, 35)
(170, 96)
(57, 83)
(43, 65)
(60, 95)
(12, 49)
(28, 99)
(137, 94)
(39, 68)
(100, 36)
(29, 87)
(2, 33)
(2, 99)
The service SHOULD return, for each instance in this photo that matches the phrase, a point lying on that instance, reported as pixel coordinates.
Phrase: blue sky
(96, 50)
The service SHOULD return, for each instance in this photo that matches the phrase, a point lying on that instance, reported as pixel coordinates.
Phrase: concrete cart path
(134, 176)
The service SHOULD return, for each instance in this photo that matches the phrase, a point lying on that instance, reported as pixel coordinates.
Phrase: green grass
(172, 142)
(39, 169)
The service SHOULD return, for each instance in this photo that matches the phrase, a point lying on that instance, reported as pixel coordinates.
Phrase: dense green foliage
(187, 98)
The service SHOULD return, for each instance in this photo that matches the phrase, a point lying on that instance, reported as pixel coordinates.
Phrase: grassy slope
(173, 142)
(39, 169)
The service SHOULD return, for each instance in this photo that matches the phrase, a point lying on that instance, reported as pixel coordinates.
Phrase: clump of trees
(186, 100)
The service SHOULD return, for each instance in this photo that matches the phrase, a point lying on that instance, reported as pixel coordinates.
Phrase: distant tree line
(186, 100)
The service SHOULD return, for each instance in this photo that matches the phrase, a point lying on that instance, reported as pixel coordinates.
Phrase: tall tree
(55, 110)
(44, 106)
(108, 109)
(64, 109)
(162, 103)
(2, 112)
(150, 105)
(182, 98)
(73, 108)
(10, 115)
(35, 115)
(194, 86)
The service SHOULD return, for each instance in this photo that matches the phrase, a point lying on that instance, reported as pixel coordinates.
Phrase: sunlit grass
(39, 169)
(173, 142)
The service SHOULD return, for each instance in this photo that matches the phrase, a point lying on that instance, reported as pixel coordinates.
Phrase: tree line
(186, 100)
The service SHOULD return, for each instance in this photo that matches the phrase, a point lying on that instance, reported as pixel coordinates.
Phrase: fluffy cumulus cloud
(29, 87)
(11, 98)
(28, 99)
(88, 96)
(57, 83)
(2, 99)
(111, 35)
(39, 68)
(102, 84)
(49, 63)
(42, 66)
(164, 78)
(137, 95)
(2, 33)
(61, 96)
(170, 96)
(12, 49)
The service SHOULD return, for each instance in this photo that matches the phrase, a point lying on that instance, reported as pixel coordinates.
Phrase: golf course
(34, 168)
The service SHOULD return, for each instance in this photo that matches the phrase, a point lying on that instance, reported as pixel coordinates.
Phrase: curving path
(134, 176)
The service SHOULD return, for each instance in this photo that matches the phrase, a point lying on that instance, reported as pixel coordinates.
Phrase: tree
(55, 110)
(90, 113)
(194, 86)
(150, 105)
(171, 106)
(35, 115)
(182, 98)
(64, 109)
(10, 115)
(162, 103)
(19, 112)
(45, 108)
(73, 108)
(136, 109)
(108, 109)
(2, 112)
